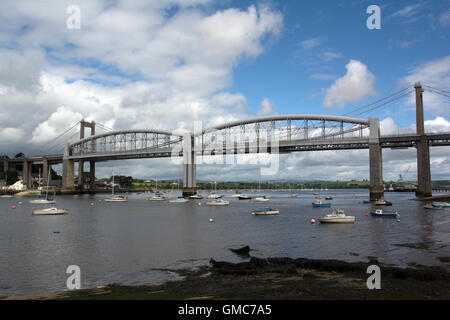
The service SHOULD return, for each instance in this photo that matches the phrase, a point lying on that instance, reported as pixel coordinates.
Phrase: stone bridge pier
(375, 161)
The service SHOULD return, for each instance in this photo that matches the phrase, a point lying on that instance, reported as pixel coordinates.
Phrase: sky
(165, 64)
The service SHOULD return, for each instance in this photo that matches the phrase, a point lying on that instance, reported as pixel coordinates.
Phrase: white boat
(265, 212)
(156, 197)
(179, 200)
(441, 204)
(236, 195)
(293, 195)
(337, 216)
(261, 199)
(218, 202)
(6, 196)
(41, 199)
(196, 196)
(49, 212)
(214, 195)
(115, 198)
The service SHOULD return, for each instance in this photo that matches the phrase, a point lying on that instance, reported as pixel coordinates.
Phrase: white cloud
(133, 64)
(355, 85)
(267, 108)
(311, 43)
(435, 73)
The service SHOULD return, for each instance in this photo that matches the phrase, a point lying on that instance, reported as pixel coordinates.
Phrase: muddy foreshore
(280, 278)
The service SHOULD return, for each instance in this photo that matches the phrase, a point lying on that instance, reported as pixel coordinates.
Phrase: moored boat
(318, 203)
(337, 216)
(156, 197)
(262, 199)
(328, 198)
(367, 201)
(43, 200)
(218, 202)
(179, 200)
(196, 196)
(116, 198)
(49, 211)
(265, 212)
(244, 197)
(381, 213)
(382, 202)
(432, 206)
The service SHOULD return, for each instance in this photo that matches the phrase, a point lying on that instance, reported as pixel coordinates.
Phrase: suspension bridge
(271, 134)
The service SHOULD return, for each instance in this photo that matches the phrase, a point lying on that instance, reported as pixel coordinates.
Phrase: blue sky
(166, 64)
(402, 43)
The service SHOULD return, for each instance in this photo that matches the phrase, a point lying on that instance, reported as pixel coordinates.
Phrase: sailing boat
(216, 199)
(41, 199)
(157, 196)
(214, 195)
(115, 198)
(179, 199)
(262, 198)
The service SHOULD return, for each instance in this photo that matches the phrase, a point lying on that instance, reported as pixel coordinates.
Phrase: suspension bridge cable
(437, 92)
(425, 85)
(385, 103)
(379, 100)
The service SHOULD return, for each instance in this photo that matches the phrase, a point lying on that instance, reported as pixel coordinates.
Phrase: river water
(128, 242)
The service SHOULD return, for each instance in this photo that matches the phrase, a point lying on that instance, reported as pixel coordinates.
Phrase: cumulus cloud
(133, 64)
(355, 85)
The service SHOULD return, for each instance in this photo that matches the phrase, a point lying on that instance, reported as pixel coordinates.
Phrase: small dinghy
(381, 213)
(265, 212)
(337, 216)
(49, 212)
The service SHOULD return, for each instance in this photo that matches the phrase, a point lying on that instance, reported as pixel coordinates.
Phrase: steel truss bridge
(270, 134)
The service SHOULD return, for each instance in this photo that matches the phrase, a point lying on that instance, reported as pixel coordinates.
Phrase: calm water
(125, 242)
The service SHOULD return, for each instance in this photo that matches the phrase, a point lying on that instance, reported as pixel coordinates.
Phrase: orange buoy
(13, 207)
(313, 221)
(367, 214)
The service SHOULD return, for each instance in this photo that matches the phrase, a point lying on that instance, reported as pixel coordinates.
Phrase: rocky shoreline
(281, 278)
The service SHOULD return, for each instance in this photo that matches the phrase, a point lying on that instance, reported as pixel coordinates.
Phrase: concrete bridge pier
(46, 171)
(80, 173)
(5, 165)
(26, 174)
(375, 161)
(91, 175)
(423, 149)
(68, 171)
(189, 166)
